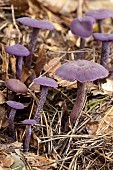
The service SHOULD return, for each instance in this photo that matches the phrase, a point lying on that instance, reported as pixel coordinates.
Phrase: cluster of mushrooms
(81, 70)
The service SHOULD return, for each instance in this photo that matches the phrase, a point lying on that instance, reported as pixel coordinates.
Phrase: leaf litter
(88, 145)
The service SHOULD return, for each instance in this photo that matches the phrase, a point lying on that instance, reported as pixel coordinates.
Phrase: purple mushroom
(99, 15)
(105, 39)
(29, 123)
(14, 106)
(36, 25)
(16, 86)
(82, 27)
(45, 82)
(19, 51)
(82, 71)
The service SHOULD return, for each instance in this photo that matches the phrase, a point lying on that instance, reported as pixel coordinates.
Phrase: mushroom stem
(105, 53)
(11, 123)
(32, 44)
(12, 95)
(79, 104)
(41, 104)
(27, 138)
(82, 45)
(99, 21)
(19, 67)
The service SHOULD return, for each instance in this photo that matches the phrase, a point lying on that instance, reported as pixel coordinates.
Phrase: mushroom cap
(35, 23)
(103, 36)
(100, 14)
(15, 105)
(29, 122)
(16, 86)
(45, 81)
(82, 26)
(81, 70)
(17, 50)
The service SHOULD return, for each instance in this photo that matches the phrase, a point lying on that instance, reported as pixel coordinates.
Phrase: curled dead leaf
(65, 83)
(52, 65)
(108, 86)
(41, 60)
(25, 74)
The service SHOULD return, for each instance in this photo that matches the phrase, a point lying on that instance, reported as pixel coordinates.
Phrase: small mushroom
(19, 51)
(105, 38)
(36, 25)
(99, 15)
(16, 86)
(45, 82)
(14, 106)
(82, 71)
(29, 123)
(82, 27)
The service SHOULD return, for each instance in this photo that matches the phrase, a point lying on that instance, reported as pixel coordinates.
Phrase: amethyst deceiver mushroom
(14, 106)
(83, 28)
(82, 71)
(99, 15)
(105, 38)
(16, 86)
(36, 26)
(19, 51)
(44, 82)
(29, 123)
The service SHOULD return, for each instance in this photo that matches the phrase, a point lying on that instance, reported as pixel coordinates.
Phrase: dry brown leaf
(35, 141)
(1, 163)
(8, 161)
(106, 124)
(40, 61)
(34, 8)
(13, 65)
(40, 162)
(11, 33)
(5, 64)
(70, 37)
(44, 163)
(59, 27)
(107, 4)
(18, 163)
(16, 145)
(92, 127)
(19, 4)
(2, 97)
(52, 65)
(61, 6)
(108, 86)
(53, 48)
(94, 89)
(3, 117)
(65, 83)
(34, 87)
(25, 74)
(109, 117)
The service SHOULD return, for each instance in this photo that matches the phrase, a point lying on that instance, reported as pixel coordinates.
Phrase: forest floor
(89, 144)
